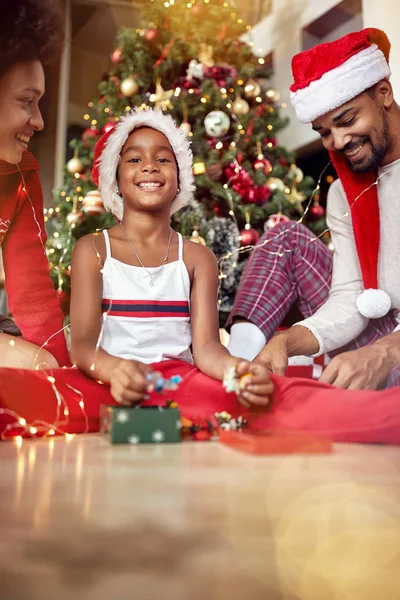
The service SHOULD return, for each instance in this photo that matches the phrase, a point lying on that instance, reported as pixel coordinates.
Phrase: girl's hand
(128, 383)
(257, 387)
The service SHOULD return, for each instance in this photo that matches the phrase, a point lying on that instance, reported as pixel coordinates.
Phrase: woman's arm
(126, 377)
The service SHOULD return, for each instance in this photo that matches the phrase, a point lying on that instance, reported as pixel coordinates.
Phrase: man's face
(358, 130)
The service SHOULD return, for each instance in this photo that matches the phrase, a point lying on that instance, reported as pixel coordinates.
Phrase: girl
(157, 292)
(31, 32)
(141, 294)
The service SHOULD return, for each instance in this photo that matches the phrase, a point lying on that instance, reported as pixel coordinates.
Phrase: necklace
(164, 262)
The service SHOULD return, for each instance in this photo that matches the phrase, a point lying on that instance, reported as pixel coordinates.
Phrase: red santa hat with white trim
(326, 77)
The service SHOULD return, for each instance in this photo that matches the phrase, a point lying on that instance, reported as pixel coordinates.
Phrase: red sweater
(32, 298)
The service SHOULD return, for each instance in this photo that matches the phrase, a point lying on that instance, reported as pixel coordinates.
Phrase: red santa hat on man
(108, 150)
(325, 77)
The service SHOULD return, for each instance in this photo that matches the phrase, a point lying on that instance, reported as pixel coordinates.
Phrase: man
(343, 89)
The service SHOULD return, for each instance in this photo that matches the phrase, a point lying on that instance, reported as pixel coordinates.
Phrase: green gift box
(140, 425)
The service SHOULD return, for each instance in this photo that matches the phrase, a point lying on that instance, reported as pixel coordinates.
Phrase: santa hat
(325, 77)
(108, 149)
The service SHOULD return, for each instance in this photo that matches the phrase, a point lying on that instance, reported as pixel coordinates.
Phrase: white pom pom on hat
(109, 146)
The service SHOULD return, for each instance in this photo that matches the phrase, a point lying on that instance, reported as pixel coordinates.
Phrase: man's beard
(378, 150)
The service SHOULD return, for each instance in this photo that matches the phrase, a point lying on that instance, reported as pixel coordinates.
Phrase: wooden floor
(197, 521)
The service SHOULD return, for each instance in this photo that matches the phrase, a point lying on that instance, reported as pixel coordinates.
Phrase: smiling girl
(31, 32)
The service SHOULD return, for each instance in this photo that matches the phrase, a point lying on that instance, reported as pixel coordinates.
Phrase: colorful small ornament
(129, 86)
(195, 70)
(252, 89)
(273, 96)
(74, 165)
(108, 126)
(90, 135)
(248, 236)
(186, 127)
(274, 183)
(316, 211)
(196, 238)
(158, 384)
(92, 203)
(199, 168)
(116, 56)
(263, 164)
(217, 124)
(240, 106)
(274, 220)
(162, 98)
(74, 217)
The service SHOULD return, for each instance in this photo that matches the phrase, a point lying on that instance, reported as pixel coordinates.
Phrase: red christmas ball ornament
(263, 164)
(116, 56)
(274, 220)
(283, 162)
(248, 236)
(90, 136)
(108, 126)
(152, 36)
(262, 194)
(316, 211)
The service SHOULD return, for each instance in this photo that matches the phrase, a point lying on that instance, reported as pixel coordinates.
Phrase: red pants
(298, 404)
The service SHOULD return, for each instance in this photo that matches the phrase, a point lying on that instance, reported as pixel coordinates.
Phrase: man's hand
(274, 355)
(128, 383)
(363, 369)
(257, 388)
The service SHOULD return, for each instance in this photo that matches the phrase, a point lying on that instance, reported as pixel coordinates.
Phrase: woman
(31, 32)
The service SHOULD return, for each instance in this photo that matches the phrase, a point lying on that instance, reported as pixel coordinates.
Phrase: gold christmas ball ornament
(196, 238)
(199, 168)
(240, 106)
(273, 96)
(252, 89)
(296, 174)
(274, 183)
(92, 203)
(186, 127)
(74, 166)
(129, 86)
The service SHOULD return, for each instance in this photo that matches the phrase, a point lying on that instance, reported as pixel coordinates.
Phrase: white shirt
(338, 321)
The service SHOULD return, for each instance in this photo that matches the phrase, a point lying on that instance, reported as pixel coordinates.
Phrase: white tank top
(144, 322)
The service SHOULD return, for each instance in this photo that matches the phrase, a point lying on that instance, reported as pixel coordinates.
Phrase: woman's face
(21, 88)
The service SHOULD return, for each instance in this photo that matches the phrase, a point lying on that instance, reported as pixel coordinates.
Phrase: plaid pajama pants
(295, 266)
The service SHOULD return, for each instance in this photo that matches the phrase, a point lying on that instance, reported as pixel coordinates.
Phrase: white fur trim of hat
(109, 159)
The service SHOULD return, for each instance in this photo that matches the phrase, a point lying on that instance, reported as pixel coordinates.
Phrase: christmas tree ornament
(186, 127)
(316, 211)
(296, 198)
(152, 35)
(274, 184)
(199, 168)
(196, 237)
(116, 56)
(263, 164)
(162, 98)
(248, 236)
(195, 70)
(272, 96)
(74, 165)
(215, 171)
(129, 86)
(274, 220)
(295, 173)
(240, 106)
(217, 124)
(205, 54)
(90, 135)
(108, 126)
(74, 217)
(252, 89)
(92, 203)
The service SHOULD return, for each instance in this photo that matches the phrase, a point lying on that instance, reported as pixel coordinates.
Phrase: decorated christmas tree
(194, 60)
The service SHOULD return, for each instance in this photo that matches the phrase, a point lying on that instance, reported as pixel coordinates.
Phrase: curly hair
(30, 30)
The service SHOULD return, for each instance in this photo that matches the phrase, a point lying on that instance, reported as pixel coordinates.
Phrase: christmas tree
(194, 60)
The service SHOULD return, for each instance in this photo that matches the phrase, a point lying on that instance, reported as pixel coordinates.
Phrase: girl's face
(21, 88)
(148, 173)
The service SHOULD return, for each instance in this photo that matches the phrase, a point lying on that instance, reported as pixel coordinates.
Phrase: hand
(128, 382)
(274, 355)
(362, 369)
(257, 386)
